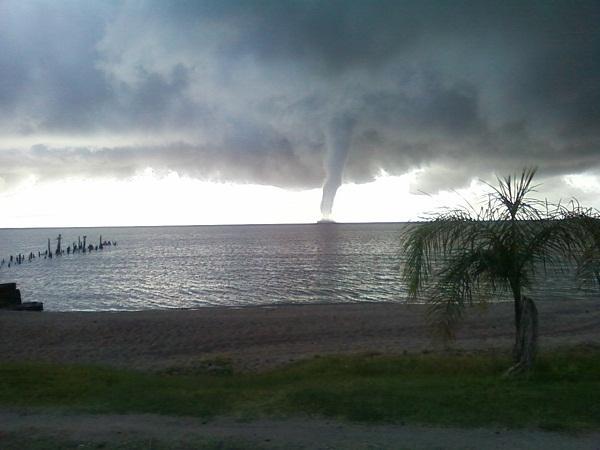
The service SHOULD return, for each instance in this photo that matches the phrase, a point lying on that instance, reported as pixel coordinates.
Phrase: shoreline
(242, 307)
(259, 337)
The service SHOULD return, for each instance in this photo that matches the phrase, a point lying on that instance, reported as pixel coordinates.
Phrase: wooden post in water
(58, 249)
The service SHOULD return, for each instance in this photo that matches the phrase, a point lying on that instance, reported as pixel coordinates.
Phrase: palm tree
(464, 256)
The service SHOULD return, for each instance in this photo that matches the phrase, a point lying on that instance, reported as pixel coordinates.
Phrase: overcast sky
(248, 92)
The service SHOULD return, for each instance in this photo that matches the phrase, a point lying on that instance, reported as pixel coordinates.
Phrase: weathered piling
(80, 246)
(58, 249)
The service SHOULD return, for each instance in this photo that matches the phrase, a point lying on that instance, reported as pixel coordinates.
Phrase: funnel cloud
(338, 139)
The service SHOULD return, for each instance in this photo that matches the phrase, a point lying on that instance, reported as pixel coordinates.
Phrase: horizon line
(211, 225)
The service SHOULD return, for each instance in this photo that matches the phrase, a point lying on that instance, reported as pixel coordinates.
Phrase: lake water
(190, 267)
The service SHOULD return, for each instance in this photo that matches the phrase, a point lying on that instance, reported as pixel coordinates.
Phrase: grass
(562, 393)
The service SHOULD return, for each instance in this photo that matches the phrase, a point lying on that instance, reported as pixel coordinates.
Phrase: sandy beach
(257, 338)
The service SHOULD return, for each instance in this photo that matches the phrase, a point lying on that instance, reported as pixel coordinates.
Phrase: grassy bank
(563, 393)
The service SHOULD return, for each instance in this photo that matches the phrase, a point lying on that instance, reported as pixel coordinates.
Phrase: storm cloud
(247, 91)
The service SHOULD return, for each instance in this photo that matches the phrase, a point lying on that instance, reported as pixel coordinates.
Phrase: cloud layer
(243, 91)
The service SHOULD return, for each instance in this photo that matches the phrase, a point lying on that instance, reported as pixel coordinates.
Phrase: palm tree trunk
(515, 286)
(526, 329)
(525, 348)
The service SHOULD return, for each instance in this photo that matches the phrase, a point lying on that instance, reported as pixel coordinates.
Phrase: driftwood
(29, 306)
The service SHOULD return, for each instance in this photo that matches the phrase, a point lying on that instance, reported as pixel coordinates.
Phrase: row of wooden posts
(80, 246)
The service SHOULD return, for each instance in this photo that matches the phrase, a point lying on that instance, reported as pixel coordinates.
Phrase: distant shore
(256, 338)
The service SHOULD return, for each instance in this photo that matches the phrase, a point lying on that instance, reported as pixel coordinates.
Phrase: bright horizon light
(148, 199)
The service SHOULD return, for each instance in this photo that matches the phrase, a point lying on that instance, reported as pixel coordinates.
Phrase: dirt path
(263, 337)
(151, 431)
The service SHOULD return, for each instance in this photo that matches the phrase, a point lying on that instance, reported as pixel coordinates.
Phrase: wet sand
(257, 338)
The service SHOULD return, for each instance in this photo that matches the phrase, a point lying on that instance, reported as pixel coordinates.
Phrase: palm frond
(510, 200)
(467, 277)
(424, 245)
(585, 224)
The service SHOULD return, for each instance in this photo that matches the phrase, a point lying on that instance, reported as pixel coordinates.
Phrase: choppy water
(189, 267)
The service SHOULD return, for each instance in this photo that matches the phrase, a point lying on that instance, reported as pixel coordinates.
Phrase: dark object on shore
(9, 295)
(10, 298)
(29, 306)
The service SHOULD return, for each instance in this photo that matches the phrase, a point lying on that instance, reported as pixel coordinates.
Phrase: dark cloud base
(244, 91)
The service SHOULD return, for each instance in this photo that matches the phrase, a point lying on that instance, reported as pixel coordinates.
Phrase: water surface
(190, 267)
